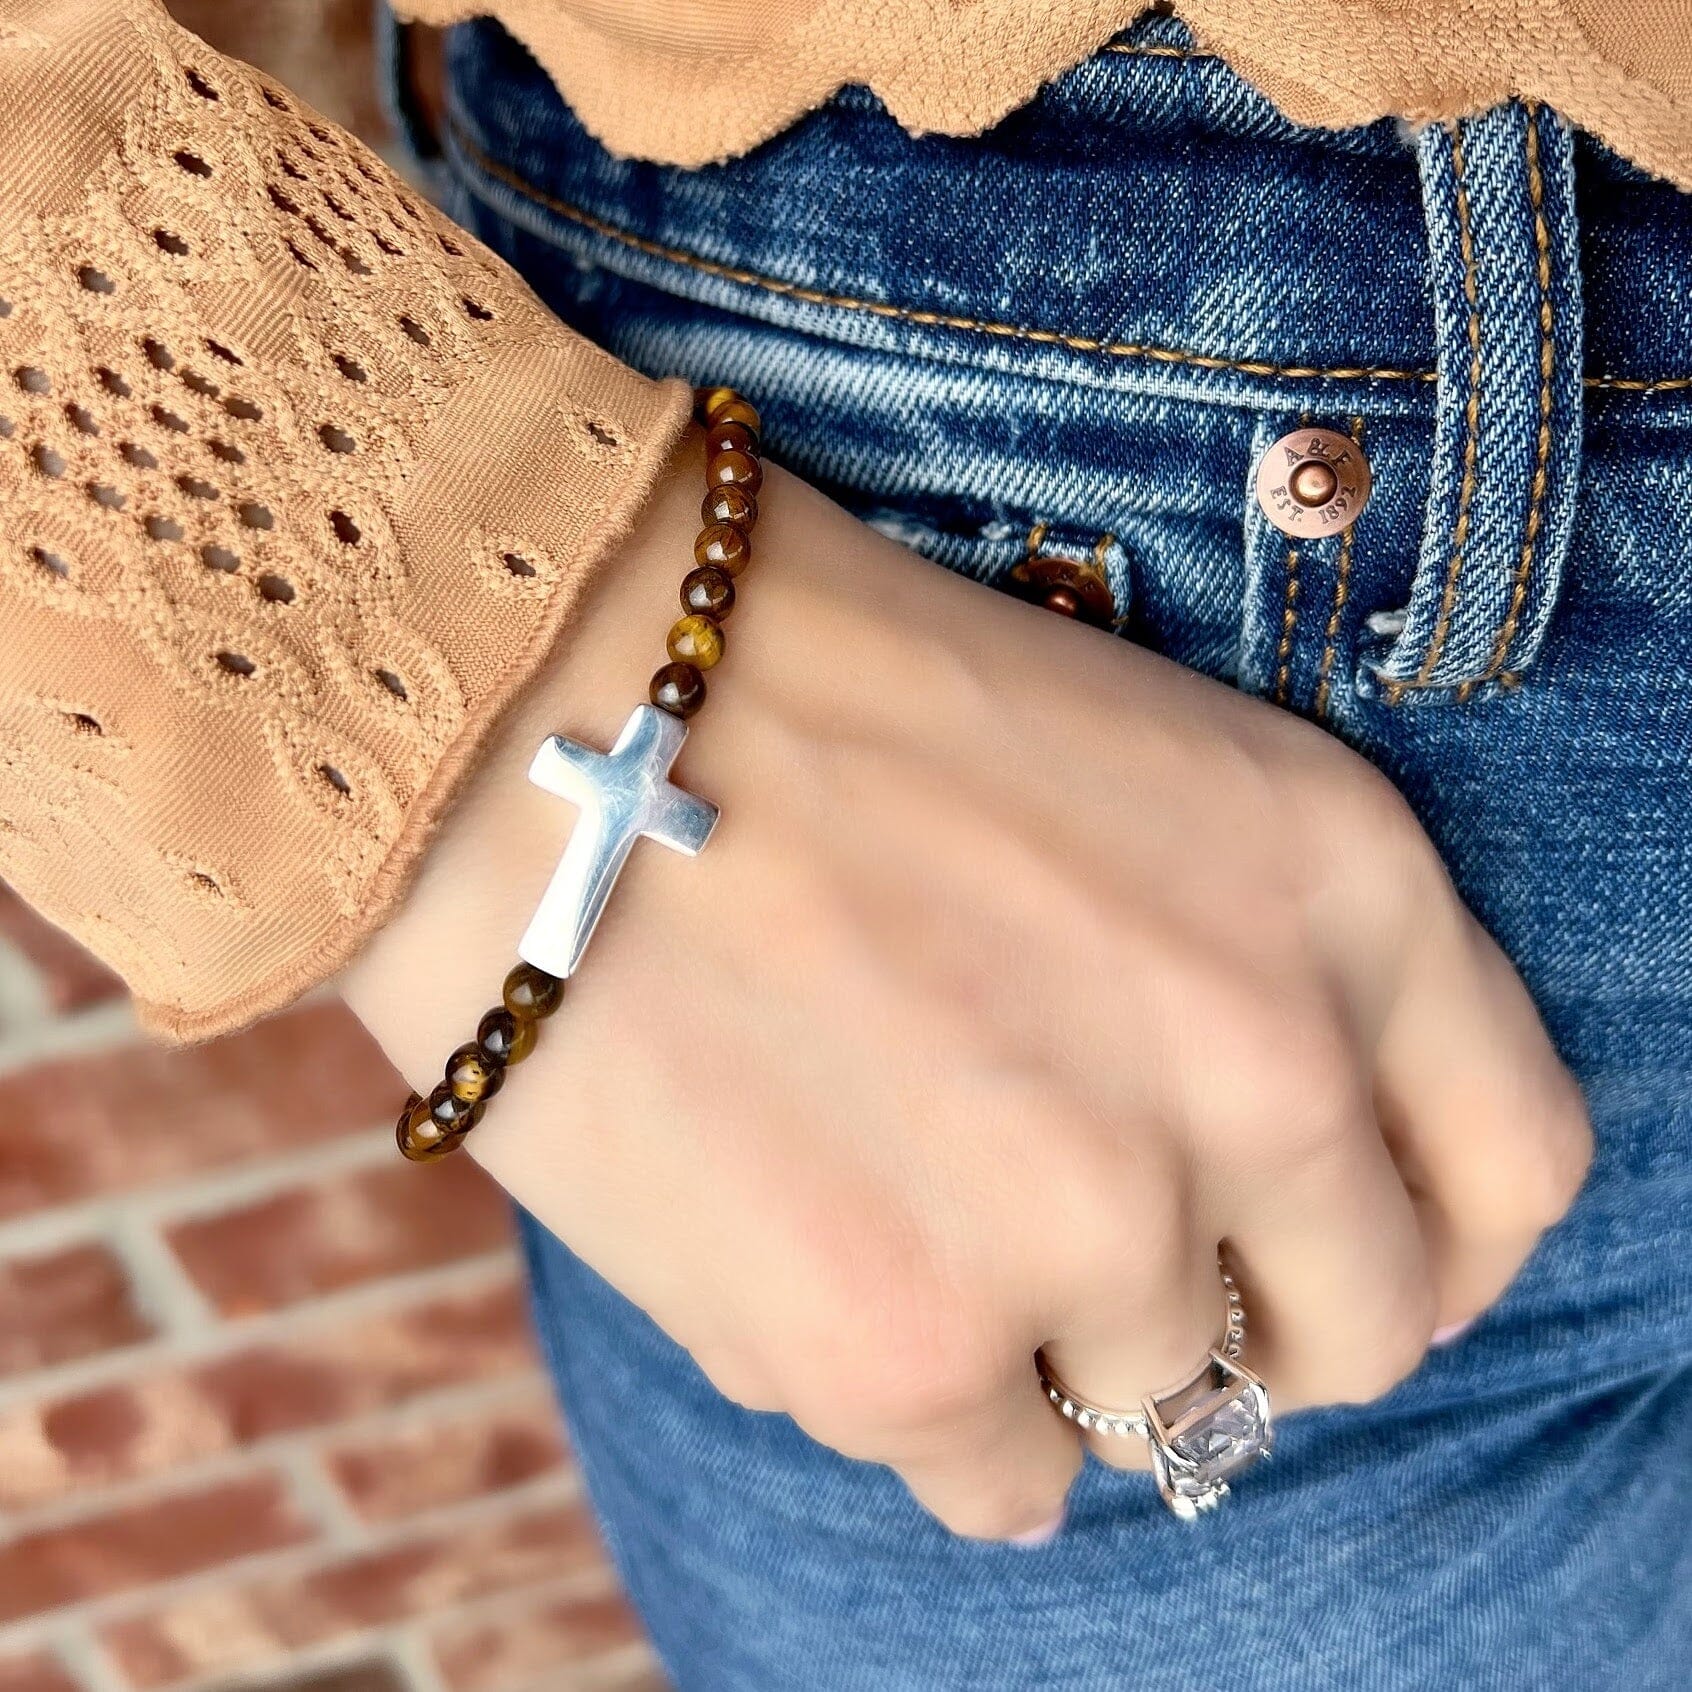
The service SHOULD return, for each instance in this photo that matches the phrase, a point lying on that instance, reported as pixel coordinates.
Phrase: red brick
(145, 1544)
(252, 1623)
(35, 1673)
(72, 979)
(320, 1237)
(69, 1304)
(423, 1465)
(374, 1676)
(517, 1652)
(122, 1119)
(317, 1376)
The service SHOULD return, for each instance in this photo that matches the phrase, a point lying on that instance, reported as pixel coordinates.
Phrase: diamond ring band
(1201, 1433)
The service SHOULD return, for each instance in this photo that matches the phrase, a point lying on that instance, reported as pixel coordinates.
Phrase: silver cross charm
(623, 794)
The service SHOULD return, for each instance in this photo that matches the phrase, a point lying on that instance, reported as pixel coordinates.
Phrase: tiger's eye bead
(473, 1075)
(678, 689)
(708, 401)
(707, 592)
(531, 993)
(725, 546)
(736, 410)
(505, 1038)
(696, 641)
(730, 437)
(419, 1136)
(738, 469)
(730, 504)
(451, 1112)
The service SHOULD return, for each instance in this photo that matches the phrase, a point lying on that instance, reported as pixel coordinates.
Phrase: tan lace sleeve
(297, 486)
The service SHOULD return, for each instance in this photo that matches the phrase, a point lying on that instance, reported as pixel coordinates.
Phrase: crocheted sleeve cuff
(299, 486)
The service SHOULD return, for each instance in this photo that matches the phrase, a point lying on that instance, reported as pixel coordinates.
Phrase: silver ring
(1096, 1418)
(1201, 1433)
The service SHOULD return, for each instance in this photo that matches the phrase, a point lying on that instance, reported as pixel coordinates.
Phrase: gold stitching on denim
(1342, 591)
(1639, 384)
(1542, 450)
(1289, 622)
(912, 314)
(1471, 431)
(1012, 331)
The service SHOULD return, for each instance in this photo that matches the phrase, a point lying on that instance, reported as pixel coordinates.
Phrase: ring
(1095, 1418)
(1203, 1432)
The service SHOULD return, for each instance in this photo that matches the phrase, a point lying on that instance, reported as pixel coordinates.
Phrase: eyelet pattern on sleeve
(299, 482)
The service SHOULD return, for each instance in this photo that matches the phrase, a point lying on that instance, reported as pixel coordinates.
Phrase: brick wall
(270, 1416)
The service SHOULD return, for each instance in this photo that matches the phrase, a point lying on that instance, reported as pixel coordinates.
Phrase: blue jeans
(1062, 347)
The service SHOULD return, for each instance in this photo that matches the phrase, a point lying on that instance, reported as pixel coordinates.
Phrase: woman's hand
(1024, 967)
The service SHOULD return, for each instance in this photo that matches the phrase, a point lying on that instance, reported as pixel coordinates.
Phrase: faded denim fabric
(1072, 337)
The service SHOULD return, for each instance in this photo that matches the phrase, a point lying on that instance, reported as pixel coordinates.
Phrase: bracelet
(623, 794)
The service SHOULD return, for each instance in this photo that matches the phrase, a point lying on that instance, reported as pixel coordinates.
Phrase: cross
(622, 794)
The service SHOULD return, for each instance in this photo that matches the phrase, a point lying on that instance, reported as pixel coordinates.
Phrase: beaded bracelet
(623, 794)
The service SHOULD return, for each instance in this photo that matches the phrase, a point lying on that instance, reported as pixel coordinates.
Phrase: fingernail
(1444, 1336)
(1044, 1534)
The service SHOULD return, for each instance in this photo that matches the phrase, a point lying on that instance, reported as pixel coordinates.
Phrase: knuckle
(1282, 1055)
(1313, 1088)
(1380, 823)
(1143, 1201)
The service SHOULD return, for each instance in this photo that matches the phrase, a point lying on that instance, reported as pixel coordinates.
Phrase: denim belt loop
(1498, 191)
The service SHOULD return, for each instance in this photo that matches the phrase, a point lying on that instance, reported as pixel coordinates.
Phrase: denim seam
(1289, 625)
(1639, 384)
(1542, 450)
(912, 314)
(1342, 592)
(1471, 431)
(1009, 331)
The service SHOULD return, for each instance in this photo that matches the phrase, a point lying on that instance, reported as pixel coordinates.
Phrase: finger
(1487, 1125)
(999, 1472)
(1333, 1269)
(1145, 1333)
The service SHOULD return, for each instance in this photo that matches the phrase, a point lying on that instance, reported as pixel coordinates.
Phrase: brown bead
(736, 410)
(678, 689)
(696, 641)
(708, 401)
(730, 504)
(505, 1038)
(450, 1111)
(420, 1137)
(738, 469)
(725, 546)
(531, 994)
(730, 437)
(707, 592)
(473, 1075)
